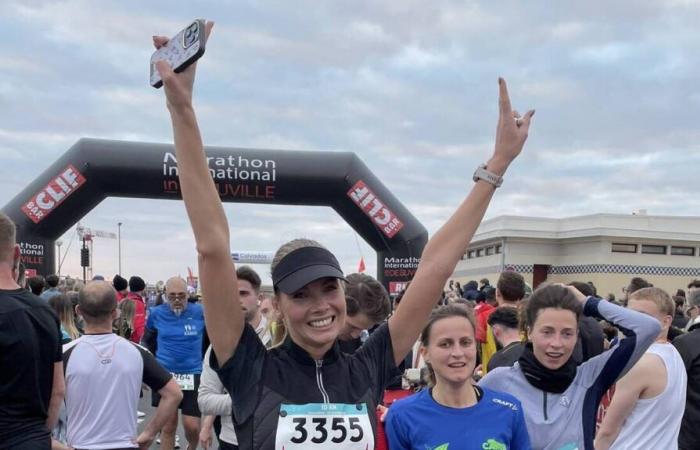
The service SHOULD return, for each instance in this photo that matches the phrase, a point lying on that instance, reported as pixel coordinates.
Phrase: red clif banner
(375, 209)
(55, 193)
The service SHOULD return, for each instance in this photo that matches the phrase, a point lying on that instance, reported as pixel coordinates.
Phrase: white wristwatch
(482, 174)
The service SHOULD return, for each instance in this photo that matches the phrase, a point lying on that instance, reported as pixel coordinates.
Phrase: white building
(607, 249)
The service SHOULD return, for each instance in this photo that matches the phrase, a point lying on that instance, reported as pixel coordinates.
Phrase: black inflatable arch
(95, 169)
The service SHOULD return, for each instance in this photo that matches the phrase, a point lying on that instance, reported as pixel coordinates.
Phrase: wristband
(482, 174)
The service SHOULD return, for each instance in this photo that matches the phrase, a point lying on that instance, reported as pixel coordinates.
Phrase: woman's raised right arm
(222, 310)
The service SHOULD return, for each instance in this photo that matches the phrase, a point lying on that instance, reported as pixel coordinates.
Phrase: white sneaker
(177, 441)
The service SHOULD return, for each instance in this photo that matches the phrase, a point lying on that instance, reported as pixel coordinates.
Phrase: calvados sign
(375, 209)
(55, 193)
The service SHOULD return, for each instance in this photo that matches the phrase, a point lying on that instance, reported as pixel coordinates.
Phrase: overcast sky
(410, 86)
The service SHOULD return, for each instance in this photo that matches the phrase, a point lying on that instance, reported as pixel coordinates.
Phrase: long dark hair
(443, 312)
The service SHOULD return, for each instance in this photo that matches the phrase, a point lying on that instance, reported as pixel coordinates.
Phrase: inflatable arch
(95, 169)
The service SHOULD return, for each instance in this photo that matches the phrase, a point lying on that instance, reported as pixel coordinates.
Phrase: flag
(190, 277)
(361, 268)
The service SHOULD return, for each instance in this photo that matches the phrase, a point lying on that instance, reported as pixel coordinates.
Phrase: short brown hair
(511, 285)
(8, 237)
(658, 296)
(364, 294)
(636, 284)
(247, 274)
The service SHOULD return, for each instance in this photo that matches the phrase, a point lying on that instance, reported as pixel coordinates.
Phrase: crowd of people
(330, 363)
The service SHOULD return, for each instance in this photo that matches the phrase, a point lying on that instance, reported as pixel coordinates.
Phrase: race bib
(185, 381)
(324, 426)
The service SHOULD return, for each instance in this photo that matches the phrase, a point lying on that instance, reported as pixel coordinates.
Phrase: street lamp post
(59, 243)
(119, 245)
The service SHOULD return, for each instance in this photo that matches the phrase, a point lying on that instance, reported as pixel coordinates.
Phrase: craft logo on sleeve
(375, 209)
(55, 193)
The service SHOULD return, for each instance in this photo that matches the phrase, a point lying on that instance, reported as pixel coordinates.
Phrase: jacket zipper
(319, 381)
(544, 405)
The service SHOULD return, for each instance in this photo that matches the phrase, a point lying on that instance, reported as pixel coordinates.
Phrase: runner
(31, 368)
(645, 411)
(560, 399)
(306, 391)
(174, 334)
(453, 413)
(213, 398)
(104, 373)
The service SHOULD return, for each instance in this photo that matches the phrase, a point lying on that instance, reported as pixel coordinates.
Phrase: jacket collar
(301, 356)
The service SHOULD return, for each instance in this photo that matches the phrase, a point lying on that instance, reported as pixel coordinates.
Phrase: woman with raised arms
(305, 391)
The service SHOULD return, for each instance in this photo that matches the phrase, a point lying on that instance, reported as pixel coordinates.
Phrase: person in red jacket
(136, 288)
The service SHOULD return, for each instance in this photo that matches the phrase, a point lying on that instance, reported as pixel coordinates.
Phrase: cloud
(409, 86)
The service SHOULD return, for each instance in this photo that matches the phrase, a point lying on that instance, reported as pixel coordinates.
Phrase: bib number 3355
(324, 426)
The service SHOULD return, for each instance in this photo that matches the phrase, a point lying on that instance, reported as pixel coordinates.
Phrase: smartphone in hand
(182, 50)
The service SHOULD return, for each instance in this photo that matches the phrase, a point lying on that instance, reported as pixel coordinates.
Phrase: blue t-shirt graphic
(179, 338)
(496, 422)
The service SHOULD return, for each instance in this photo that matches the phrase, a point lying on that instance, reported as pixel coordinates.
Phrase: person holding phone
(305, 390)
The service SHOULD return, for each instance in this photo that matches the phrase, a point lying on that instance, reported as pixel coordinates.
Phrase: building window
(683, 251)
(498, 249)
(654, 249)
(489, 251)
(470, 254)
(624, 248)
(479, 253)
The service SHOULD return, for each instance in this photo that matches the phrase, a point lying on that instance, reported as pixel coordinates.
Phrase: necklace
(105, 358)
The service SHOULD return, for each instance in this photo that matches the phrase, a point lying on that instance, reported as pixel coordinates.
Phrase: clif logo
(58, 189)
(375, 209)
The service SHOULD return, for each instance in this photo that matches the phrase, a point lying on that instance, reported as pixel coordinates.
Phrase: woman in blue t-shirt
(454, 413)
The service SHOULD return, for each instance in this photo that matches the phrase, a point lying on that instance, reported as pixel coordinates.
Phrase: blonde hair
(63, 307)
(658, 296)
(279, 328)
(125, 323)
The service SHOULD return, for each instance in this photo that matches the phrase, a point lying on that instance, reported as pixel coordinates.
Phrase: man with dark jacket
(688, 346)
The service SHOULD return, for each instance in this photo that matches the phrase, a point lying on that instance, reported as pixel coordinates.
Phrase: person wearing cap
(121, 286)
(305, 392)
(136, 288)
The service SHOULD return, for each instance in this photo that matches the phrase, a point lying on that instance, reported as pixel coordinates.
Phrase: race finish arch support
(94, 169)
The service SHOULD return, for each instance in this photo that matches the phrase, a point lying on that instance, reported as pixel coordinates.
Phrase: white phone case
(182, 50)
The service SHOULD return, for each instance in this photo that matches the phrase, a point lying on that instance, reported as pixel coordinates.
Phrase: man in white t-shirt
(647, 407)
(213, 398)
(104, 373)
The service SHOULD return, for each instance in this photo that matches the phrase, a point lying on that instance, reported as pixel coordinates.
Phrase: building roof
(681, 228)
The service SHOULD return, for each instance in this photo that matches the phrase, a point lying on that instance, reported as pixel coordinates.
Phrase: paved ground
(145, 406)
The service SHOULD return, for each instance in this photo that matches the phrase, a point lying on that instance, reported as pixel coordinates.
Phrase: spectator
(591, 340)
(31, 369)
(136, 288)
(124, 324)
(693, 310)
(484, 283)
(36, 284)
(510, 290)
(471, 291)
(688, 346)
(693, 286)
(505, 326)
(63, 308)
(680, 320)
(120, 285)
(52, 287)
(367, 304)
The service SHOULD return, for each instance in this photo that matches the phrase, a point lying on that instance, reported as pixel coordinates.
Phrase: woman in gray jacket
(559, 399)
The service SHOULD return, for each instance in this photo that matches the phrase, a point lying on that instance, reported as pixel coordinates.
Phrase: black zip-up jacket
(688, 345)
(260, 380)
